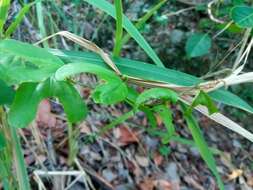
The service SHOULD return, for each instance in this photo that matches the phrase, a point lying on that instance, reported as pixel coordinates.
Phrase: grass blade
(129, 27)
(22, 175)
(4, 7)
(119, 27)
(18, 19)
(40, 19)
(202, 146)
(144, 19)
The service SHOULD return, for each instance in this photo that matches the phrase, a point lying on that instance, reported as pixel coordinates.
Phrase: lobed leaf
(156, 93)
(111, 91)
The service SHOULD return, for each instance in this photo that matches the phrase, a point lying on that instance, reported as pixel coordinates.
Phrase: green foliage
(198, 45)
(166, 115)
(243, 16)
(111, 91)
(151, 72)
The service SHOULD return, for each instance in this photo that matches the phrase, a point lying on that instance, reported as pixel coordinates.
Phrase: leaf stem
(119, 27)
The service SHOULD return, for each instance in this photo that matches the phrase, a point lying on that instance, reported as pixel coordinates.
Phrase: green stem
(22, 176)
(119, 28)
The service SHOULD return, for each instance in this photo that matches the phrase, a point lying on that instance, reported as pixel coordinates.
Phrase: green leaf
(242, 16)
(21, 62)
(166, 115)
(202, 145)
(18, 19)
(4, 8)
(111, 91)
(151, 72)
(2, 141)
(6, 93)
(37, 56)
(156, 94)
(129, 27)
(204, 99)
(198, 45)
(29, 95)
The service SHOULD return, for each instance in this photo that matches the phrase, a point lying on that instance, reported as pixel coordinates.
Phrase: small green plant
(39, 73)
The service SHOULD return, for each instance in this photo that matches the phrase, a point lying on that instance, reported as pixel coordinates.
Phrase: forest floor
(127, 157)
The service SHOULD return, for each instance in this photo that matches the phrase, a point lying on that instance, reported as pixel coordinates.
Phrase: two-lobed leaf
(111, 91)
(156, 94)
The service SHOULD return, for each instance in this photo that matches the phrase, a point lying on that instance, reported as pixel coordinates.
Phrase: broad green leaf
(18, 20)
(151, 72)
(202, 145)
(29, 95)
(204, 99)
(129, 27)
(21, 62)
(166, 115)
(242, 16)
(2, 141)
(198, 45)
(156, 94)
(6, 93)
(4, 8)
(111, 91)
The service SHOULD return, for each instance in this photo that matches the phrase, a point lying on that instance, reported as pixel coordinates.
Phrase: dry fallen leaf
(158, 159)
(44, 114)
(125, 136)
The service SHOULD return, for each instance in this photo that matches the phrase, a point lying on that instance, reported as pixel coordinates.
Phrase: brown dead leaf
(44, 114)
(125, 136)
(158, 159)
